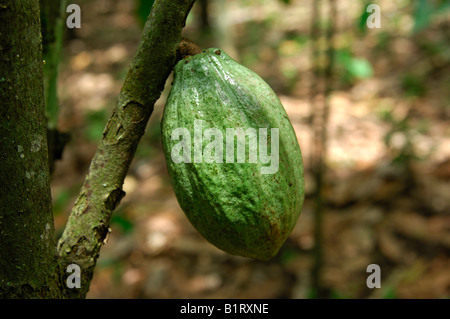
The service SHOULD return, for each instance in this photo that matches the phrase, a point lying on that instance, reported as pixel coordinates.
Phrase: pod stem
(187, 48)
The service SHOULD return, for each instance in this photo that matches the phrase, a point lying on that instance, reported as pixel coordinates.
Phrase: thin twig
(320, 150)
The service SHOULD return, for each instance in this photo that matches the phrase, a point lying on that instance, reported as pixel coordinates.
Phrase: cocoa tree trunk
(27, 244)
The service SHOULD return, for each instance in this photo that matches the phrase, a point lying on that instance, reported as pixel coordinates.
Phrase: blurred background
(371, 110)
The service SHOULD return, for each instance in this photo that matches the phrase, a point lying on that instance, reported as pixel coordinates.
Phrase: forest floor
(387, 188)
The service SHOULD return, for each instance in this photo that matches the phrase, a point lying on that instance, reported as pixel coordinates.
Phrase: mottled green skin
(233, 205)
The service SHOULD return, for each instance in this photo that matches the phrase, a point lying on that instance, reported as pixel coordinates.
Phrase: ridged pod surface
(248, 204)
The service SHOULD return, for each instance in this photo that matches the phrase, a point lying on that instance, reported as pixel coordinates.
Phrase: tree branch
(102, 190)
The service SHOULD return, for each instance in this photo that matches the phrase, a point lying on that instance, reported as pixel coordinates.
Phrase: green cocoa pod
(232, 155)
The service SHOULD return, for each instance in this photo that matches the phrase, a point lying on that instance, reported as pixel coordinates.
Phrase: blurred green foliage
(400, 137)
(120, 219)
(95, 124)
(413, 85)
(143, 8)
(425, 10)
(352, 68)
(389, 293)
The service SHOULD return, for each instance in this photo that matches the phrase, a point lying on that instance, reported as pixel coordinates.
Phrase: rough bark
(88, 222)
(27, 245)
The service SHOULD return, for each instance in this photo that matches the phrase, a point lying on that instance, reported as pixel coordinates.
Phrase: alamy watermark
(374, 19)
(74, 279)
(74, 19)
(374, 279)
(214, 150)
